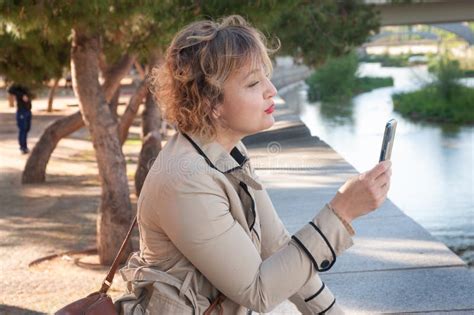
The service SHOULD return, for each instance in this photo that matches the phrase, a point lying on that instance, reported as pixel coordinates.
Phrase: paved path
(394, 267)
(43, 219)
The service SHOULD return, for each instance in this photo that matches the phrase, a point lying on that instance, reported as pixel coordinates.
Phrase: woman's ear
(216, 111)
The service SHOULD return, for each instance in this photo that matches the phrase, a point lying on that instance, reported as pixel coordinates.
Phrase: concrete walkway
(394, 267)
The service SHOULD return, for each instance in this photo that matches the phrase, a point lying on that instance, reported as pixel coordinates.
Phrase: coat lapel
(234, 163)
(235, 166)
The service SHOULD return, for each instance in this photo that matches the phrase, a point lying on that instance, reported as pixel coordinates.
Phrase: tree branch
(132, 108)
(115, 73)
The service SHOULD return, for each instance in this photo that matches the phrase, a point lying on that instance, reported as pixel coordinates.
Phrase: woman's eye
(254, 84)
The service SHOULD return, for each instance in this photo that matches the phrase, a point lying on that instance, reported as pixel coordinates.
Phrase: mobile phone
(388, 138)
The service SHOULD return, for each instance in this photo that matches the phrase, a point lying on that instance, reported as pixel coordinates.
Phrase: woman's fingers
(382, 193)
(382, 180)
(379, 169)
(384, 177)
(364, 192)
(385, 188)
(382, 185)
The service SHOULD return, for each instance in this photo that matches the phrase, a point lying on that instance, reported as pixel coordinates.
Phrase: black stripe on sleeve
(316, 294)
(329, 307)
(328, 244)
(305, 250)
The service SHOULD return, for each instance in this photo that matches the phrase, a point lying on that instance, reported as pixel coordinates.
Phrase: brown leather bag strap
(118, 258)
(217, 303)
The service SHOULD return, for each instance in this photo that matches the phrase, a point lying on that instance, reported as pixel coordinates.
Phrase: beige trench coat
(207, 225)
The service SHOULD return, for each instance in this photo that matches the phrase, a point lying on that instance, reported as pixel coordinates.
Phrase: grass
(133, 142)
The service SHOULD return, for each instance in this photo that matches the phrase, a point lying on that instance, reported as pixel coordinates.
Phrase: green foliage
(124, 26)
(446, 72)
(313, 30)
(444, 100)
(337, 80)
(35, 36)
(387, 60)
(428, 104)
(366, 84)
(30, 60)
(468, 73)
(259, 13)
(316, 30)
(137, 26)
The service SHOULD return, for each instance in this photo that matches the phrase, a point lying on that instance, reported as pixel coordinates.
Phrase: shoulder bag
(100, 303)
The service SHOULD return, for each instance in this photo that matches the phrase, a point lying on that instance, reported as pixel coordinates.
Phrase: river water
(433, 165)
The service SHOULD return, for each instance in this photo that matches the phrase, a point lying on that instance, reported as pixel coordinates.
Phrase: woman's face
(248, 102)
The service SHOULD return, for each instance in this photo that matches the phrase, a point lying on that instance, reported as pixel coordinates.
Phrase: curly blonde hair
(189, 84)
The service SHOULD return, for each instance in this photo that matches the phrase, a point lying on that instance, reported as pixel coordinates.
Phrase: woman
(210, 238)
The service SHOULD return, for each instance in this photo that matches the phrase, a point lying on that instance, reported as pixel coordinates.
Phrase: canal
(433, 171)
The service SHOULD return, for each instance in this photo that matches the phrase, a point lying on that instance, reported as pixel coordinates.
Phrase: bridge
(424, 11)
(449, 15)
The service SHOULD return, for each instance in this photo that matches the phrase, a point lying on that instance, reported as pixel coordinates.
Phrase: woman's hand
(363, 193)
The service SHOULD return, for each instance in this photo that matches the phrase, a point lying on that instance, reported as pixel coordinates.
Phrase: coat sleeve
(195, 215)
(314, 296)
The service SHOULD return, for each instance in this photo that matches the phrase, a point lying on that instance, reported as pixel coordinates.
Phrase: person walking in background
(23, 114)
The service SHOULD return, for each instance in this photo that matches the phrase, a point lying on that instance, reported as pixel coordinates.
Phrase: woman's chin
(269, 122)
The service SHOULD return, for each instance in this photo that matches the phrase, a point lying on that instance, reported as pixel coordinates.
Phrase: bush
(365, 84)
(337, 80)
(444, 100)
(387, 60)
(429, 104)
(468, 73)
(334, 80)
(446, 73)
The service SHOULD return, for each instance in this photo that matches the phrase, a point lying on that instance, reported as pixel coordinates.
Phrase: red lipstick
(270, 109)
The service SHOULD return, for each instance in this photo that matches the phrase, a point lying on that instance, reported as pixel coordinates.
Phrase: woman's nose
(271, 90)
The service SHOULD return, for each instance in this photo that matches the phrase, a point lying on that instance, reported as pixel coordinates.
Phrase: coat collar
(235, 164)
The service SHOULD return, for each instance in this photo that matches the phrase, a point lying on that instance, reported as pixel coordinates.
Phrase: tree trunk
(51, 95)
(140, 93)
(140, 70)
(115, 209)
(115, 73)
(133, 104)
(151, 123)
(35, 172)
(151, 117)
(35, 168)
(113, 104)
